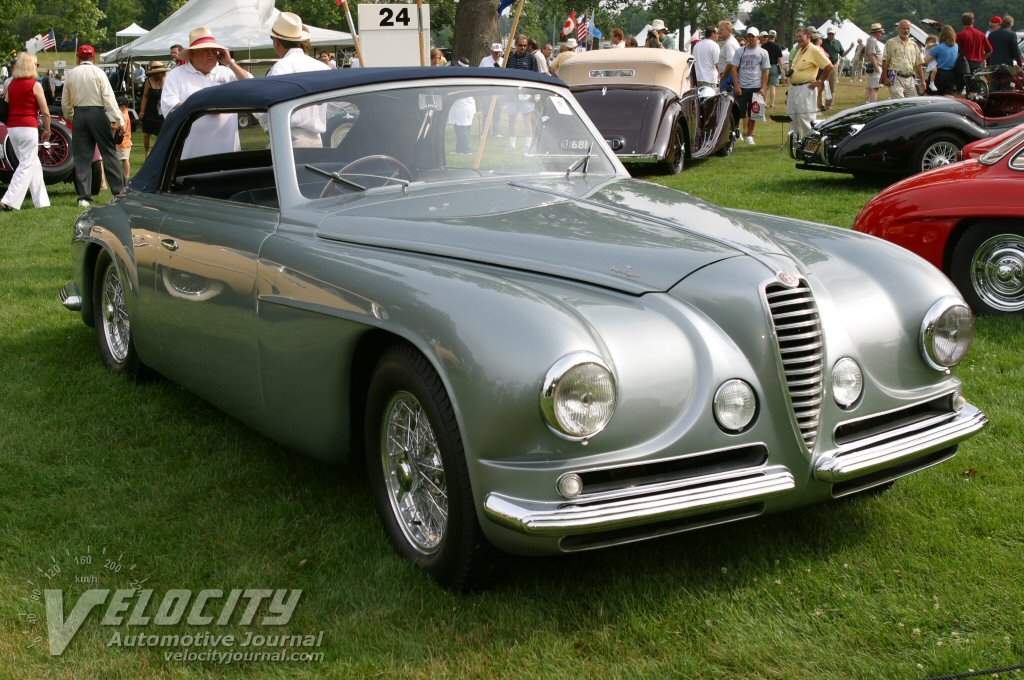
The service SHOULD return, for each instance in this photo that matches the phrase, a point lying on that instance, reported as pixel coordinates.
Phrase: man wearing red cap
(88, 101)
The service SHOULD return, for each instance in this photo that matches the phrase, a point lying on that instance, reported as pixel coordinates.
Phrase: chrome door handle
(169, 243)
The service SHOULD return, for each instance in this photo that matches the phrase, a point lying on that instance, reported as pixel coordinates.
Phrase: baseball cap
(831, 31)
(772, 32)
(495, 47)
(86, 52)
(995, 20)
(751, 31)
(764, 33)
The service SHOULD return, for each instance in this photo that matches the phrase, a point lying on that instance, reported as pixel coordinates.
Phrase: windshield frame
(285, 168)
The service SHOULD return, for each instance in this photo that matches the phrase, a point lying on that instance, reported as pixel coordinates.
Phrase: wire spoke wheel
(116, 325)
(414, 473)
(997, 272)
(939, 154)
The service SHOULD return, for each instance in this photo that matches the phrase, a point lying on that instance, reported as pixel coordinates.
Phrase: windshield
(440, 133)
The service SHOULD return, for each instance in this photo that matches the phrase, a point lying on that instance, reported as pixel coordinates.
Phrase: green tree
(12, 14)
(120, 14)
(82, 16)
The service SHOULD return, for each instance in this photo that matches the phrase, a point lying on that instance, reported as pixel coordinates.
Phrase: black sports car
(904, 136)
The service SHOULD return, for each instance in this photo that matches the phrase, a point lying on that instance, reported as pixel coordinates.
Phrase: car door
(205, 292)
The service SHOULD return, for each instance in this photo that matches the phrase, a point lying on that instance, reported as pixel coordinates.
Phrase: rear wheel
(418, 474)
(938, 150)
(54, 154)
(676, 160)
(988, 267)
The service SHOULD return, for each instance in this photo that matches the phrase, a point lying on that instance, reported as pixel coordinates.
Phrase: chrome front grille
(798, 332)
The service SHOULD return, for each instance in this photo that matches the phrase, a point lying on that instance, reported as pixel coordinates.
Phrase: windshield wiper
(336, 177)
(580, 163)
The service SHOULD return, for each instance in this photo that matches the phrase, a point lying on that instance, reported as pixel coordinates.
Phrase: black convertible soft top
(258, 94)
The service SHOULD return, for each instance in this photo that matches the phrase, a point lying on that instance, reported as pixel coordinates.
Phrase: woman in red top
(25, 102)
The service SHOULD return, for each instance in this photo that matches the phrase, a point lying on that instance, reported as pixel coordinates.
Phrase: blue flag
(595, 31)
(70, 41)
(504, 4)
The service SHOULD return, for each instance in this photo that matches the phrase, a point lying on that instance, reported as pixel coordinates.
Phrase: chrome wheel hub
(997, 272)
(117, 327)
(940, 154)
(414, 473)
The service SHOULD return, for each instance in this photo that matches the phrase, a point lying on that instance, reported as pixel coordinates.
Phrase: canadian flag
(570, 25)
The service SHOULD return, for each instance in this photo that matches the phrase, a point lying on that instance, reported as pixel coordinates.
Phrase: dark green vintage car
(534, 352)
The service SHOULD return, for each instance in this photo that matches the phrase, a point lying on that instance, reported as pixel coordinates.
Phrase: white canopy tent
(847, 33)
(243, 26)
(133, 31)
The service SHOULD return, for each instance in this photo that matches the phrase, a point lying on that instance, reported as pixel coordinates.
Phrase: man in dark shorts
(750, 70)
(774, 50)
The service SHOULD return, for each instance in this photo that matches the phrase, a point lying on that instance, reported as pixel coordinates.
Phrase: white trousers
(802, 107)
(28, 177)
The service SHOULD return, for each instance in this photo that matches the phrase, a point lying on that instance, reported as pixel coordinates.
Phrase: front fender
(893, 145)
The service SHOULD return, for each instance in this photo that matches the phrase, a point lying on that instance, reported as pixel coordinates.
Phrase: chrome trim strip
(695, 496)
(70, 297)
(916, 440)
(638, 157)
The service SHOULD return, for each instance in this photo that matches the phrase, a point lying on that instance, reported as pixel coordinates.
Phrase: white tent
(133, 31)
(243, 26)
(847, 33)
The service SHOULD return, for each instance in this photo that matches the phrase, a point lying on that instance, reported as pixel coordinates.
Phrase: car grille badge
(789, 280)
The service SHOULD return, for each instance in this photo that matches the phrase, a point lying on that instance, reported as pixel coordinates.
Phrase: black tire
(987, 265)
(450, 548)
(937, 150)
(110, 317)
(675, 161)
(55, 155)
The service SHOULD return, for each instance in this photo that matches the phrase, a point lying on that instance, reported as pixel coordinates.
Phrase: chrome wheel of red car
(988, 267)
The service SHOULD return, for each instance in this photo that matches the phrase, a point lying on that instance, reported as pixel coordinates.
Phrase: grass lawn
(108, 484)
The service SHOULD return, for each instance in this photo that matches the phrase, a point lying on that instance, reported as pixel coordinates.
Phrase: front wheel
(418, 474)
(988, 267)
(113, 325)
(938, 150)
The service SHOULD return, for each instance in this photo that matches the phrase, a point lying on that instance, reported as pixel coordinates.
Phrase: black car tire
(987, 265)
(405, 389)
(110, 318)
(676, 160)
(730, 145)
(938, 150)
(57, 161)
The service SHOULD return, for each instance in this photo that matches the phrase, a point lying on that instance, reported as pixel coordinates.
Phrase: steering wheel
(373, 158)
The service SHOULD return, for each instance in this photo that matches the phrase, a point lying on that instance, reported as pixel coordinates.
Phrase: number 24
(389, 18)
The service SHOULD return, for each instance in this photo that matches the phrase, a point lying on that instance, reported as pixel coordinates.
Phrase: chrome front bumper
(696, 495)
(899, 446)
(70, 297)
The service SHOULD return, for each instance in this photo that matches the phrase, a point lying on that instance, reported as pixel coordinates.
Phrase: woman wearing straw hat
(207, 63)
(150, 116)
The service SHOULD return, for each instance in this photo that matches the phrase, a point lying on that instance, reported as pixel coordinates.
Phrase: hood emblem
(789, 280)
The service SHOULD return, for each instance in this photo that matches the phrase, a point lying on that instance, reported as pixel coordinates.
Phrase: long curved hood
(879, 113)
(623, 234)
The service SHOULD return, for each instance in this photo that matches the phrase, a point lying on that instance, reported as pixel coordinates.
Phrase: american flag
(582, 28)
(49, 41)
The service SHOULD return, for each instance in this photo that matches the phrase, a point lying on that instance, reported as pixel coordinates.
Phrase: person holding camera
(750, 68)
(873, 52)
(208, 63)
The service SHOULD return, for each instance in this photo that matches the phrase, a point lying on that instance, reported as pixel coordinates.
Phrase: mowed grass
(920, 581)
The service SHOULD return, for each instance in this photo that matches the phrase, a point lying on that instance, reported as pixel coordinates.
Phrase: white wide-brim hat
(200, 39)
(571, 43)
(658, 25)
(288, 26)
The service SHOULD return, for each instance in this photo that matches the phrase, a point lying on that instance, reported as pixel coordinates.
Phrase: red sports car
(967, 219)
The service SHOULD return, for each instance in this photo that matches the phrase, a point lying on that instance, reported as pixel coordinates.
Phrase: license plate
(811, 146)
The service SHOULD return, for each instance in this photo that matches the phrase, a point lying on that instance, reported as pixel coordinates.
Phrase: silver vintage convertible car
(534, 352)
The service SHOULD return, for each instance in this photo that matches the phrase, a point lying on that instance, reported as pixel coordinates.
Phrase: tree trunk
(476, 27)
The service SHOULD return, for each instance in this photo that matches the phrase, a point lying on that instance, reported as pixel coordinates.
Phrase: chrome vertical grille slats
(798, 331)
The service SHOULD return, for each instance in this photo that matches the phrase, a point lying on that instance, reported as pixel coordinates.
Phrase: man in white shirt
(308, 122)
(207, 64)
(88, 102)
(494, 58)
(725, 54)
(705, 58)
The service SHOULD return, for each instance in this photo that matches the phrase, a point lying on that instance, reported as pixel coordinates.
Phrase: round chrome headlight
(578, 396)
(946, 333)
(847, 382)
(735, 405)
